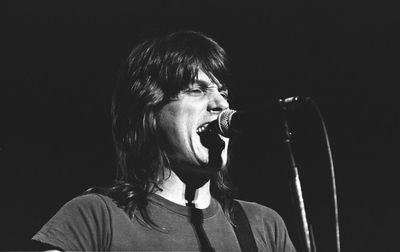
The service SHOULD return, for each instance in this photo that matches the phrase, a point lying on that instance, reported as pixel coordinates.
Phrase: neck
(175, 190)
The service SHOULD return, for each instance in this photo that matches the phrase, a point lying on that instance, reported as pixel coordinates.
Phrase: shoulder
(83, 223)
(268, 227)
(88, 209)
(90, 200)
(95, 204)
(88, 203)
(260, 212)
(264, 221)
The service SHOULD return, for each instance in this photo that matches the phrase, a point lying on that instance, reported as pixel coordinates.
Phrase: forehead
(203, 78)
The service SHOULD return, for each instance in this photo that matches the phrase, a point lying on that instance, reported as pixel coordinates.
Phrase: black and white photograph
(209, 125)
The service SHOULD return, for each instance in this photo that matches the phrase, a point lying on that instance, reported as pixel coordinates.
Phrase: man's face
(182, 121)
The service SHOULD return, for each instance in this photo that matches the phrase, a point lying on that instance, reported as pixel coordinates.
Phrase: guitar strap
(242, 229)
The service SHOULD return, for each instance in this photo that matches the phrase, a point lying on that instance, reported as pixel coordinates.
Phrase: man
(171, 191)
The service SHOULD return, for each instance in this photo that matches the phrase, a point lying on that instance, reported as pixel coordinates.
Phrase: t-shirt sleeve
(81, 224)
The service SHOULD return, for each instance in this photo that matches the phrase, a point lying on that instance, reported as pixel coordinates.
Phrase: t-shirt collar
(208, 212)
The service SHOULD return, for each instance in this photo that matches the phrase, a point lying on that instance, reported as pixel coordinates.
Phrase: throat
(185, 194)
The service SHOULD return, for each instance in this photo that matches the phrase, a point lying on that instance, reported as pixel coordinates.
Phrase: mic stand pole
(296, 187)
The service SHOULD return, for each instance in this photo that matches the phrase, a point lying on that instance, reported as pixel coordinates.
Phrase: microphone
(231, 122)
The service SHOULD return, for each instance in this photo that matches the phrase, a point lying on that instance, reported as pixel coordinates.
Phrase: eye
(224, 93)
(195, 91)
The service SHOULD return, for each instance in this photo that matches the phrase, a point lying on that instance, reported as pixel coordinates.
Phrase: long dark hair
(153, 74)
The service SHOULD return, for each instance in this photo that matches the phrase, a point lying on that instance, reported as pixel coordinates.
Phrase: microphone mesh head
(224, 121)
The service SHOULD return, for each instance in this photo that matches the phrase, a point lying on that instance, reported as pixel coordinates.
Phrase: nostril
(218, 109)
(217, 103)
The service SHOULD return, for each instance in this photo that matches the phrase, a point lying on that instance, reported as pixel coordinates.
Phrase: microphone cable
(332, 170)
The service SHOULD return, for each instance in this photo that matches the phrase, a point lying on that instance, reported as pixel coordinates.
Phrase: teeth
(202, 128)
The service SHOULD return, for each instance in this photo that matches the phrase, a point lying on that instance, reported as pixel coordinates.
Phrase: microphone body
(231, 122)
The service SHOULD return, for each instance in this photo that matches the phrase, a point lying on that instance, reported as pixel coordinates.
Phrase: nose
(217, 103)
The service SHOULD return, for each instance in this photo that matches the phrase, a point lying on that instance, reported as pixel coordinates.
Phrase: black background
(61, 62)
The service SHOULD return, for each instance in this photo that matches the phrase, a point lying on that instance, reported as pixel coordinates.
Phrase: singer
(171, 191)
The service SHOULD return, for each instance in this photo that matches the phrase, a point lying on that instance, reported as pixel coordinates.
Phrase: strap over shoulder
(242, 228)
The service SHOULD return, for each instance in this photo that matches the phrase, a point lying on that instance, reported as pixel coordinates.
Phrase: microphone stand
(295, 186)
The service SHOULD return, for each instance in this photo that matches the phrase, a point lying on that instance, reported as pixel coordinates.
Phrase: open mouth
(209, 138)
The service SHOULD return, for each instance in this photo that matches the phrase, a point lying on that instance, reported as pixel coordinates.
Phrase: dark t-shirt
(95, 222)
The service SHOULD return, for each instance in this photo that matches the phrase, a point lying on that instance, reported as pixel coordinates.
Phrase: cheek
(177, 122)
(173, 132)
(167, 118)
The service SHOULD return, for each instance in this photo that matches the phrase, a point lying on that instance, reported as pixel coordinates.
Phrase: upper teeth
(202, 128)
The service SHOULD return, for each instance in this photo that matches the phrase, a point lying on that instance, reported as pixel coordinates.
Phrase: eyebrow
(208, 84)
